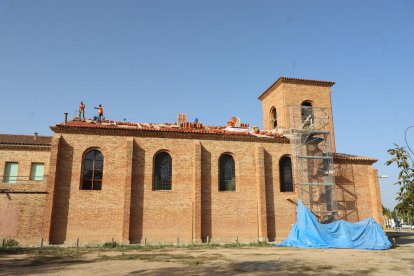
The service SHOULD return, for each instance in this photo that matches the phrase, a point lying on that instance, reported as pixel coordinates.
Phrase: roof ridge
(283, 79)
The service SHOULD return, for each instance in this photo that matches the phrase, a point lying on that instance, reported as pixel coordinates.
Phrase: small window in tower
(273, 117)
(307, 113)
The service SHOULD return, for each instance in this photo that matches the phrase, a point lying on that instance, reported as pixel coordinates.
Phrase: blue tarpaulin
(308, 232)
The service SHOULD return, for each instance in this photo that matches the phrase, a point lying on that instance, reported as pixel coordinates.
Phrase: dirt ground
(210, 261)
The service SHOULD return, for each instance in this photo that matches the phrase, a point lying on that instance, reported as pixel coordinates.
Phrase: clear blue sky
(146, 61)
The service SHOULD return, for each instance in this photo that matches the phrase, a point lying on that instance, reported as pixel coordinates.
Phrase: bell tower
(289, 102)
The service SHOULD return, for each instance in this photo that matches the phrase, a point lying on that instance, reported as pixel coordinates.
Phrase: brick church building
(158, 182)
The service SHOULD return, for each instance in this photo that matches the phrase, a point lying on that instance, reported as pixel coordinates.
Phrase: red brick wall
(230, 214)
(357, 192)
(22, 207)
(127, 209)
(164, 216)
(90, 215)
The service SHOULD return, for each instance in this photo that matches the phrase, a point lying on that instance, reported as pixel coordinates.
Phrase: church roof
(132, 128)
(294, 81)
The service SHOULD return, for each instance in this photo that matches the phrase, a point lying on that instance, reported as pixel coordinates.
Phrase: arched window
(92, 170)
(162, 171)
(307, 113)
(286, 177)
(227, 173)
(273, 117)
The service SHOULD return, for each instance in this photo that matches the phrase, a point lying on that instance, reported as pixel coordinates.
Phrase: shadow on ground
(254, 268)
(215, 261)
(401, 238)
(39, 265)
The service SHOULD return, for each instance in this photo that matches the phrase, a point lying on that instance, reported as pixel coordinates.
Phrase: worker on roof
(82, 111)
(100, 113)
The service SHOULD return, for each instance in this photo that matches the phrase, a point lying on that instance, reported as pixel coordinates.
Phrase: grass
(164, 257)
(63, 255)
(31, 250)
(59, 255)
(114, 244)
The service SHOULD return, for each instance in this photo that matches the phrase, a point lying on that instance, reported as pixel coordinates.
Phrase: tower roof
(295, 81)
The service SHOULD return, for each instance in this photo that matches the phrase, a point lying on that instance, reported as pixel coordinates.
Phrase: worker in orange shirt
(100, 113)
(82, 111)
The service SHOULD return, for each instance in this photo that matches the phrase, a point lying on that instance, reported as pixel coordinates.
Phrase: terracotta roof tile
(165, 127)
(25, 140)
(344, 156)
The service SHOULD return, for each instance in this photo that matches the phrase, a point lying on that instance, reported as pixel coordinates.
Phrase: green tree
(405, 195)
(386, 211)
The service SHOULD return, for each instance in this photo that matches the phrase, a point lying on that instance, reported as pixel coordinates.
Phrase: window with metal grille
(286, 177)
(162, 171)
(227, 173)
(273, 117)
(92, 170)
(307, 113)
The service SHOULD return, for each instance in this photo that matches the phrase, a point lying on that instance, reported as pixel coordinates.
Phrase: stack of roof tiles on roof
(165, 127)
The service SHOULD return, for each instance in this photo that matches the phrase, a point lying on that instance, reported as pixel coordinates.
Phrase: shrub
(111, 244)
(10, 243)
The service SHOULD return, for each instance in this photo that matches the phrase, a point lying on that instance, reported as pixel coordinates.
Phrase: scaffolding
(309, 136)
(346, 192)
